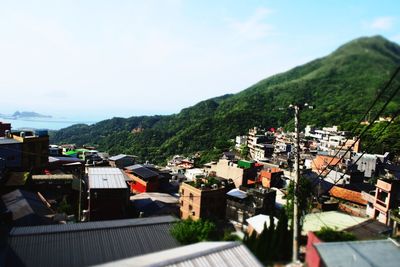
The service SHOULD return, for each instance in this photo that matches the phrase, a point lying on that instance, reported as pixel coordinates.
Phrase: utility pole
(295, 252)
(297, 108)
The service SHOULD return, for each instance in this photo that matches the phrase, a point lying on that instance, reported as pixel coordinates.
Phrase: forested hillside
(340, 86)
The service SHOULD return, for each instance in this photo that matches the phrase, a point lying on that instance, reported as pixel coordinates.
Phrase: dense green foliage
(340, 86)
(189, 231)
(304, 194)
(273, 244)
(328, 234)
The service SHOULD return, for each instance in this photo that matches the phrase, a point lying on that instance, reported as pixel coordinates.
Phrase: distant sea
(42, 123)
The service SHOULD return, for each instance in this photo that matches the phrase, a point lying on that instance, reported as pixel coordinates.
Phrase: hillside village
(86, 200)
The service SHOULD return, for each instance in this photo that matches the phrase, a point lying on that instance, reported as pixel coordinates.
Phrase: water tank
(22, 134)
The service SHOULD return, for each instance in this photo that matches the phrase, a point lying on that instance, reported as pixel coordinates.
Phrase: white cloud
(254, 27)
(382, 23)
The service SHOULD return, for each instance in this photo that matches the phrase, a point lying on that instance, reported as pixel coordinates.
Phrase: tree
(189, 231)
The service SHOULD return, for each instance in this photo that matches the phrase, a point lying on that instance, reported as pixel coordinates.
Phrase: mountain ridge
(331, 83)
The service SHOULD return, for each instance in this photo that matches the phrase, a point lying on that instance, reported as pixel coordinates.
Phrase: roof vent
(22, 134)
(202, 186)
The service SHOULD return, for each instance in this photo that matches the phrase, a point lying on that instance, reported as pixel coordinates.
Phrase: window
(191, 196)
(182, 192)
(190, 207)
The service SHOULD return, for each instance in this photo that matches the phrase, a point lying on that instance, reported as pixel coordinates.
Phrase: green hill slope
(340, 85)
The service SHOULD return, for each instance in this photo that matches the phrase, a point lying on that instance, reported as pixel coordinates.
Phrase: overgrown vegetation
(340, 86)
(190, 231)
(328, 234)
(273, 244)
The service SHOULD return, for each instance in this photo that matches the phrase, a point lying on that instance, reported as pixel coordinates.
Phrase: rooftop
(90, 243)
(360, 253)
(141, 171)
(207, 254)
(106, 178)
(8, 141)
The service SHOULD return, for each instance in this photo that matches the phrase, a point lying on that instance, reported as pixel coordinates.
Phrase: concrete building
(239, 172)
(387, 197)
(143, 179)
(271, 177)
(205, 199)
(242, 205)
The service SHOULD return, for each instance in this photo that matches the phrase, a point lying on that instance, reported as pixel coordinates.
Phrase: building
(256, 141)
(24, 208)
(193, 174)
(35, 148)
(210, 254)
(142, 179)
(88, 244)
(108, 193)
(241, 205)
(240, 141)
(205, 199)
(121, 161)
(271, 177)
(355, 253)
(387, 197)
(370, 164)
(4, 127)
(240, 172)
(11, 153)
(153, 203)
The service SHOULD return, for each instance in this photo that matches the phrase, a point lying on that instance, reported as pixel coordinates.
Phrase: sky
(95, 59)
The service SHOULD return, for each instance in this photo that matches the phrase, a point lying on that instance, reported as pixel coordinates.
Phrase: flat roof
(237, 193)
(53, 177)
(333, 219)
(106, 178)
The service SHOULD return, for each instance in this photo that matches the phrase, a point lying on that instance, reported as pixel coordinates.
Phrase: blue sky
(99, 59)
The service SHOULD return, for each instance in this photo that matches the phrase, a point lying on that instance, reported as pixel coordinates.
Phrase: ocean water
(42, 123)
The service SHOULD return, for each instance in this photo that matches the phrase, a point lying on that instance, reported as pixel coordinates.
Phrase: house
(193, 174)
(211, 254)
(205, 198)
(24, 208)
(387, 197)
(108, 193)
(153, 203)
(240, 172)
(121, 161)
(241, 205)
(11, 153)
(271, 177)
(142, 179)
(354, 253)
(89, 243)
(35, 148)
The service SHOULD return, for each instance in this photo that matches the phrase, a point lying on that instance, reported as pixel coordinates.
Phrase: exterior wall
(107, 204)
(12, 154)
(35, 151)
(229, 170)
(139, 185)
(122, 163)
(312, 257)
(346, 194)
(206, 204)
(385, 199)
(271, 177)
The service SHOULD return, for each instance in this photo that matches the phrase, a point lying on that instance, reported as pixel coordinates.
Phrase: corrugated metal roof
(204, 254)
(90, 243)
(106, 178)
(141, 171)
(360, 253)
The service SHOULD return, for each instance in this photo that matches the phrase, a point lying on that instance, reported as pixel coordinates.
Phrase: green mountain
(340, 86)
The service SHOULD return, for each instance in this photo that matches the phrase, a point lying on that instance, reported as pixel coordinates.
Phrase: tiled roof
(90, 243)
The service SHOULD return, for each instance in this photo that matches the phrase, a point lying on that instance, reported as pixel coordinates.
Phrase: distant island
(25, 115)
